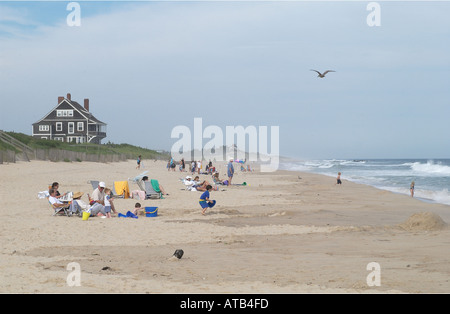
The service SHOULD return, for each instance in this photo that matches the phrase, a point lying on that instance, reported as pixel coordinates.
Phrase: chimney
(86, 104)
(60, 98)
(69, 96)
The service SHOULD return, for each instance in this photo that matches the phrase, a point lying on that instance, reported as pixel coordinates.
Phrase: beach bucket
(151, 211)
(86, 215)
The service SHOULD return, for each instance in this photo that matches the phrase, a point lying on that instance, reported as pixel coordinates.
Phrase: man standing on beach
(230, 171)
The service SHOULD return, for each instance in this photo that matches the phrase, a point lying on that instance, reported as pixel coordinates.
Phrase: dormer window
(64, 113)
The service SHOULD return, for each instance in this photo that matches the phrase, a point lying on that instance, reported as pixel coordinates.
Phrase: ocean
(431, 177)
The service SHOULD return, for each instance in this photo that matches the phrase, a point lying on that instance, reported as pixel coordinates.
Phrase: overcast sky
(148, 67)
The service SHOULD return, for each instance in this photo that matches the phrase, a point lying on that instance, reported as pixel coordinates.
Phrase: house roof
(76, 106)
(84, 112)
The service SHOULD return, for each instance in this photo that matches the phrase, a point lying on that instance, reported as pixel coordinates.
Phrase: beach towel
(136, 194)
(122, 187)
(43, 194)
(155, 185)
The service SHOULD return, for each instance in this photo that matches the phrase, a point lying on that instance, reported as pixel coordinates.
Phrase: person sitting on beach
(145, 178)
(138, 210)
(197, 181)
(98, 195)
(55, 186)
(209, 167)
(79, 202)
(217, 180)
(98, 200)
(204, 201)
(201, 186)
(53, 199)
(188, 183)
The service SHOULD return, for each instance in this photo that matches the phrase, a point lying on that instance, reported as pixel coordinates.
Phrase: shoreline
(392, 189)
(423, 199)
(278, 234)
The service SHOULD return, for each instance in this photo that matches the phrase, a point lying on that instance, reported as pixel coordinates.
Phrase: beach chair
(93, 183)
(64, 211)
(150, 191)
(121, 186)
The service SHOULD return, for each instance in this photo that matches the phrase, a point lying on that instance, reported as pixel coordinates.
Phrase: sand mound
(424, 221)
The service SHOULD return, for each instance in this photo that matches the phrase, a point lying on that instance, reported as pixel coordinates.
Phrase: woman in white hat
(82, 206)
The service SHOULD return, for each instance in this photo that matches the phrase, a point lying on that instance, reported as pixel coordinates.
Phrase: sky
(150, 66)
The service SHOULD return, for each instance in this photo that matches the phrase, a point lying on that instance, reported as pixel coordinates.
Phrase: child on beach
(338, 179)
(411, 188)
(138, 209)
(109, 205)
(205, 202)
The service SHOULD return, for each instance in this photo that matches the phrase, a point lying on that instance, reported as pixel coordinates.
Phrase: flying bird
(324, 73)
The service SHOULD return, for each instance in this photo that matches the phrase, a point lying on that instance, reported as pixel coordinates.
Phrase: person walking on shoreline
(338, 179)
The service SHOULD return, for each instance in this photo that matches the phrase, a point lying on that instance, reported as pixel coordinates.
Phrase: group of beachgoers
(206, 187)
(101, 203)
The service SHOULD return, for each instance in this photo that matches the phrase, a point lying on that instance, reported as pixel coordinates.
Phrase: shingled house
(70, 122)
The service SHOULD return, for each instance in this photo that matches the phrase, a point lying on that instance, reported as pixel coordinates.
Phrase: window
(64, 113)
(80, 126)
(58, 126)
(44, 128)
(75, 139)
(71, 127)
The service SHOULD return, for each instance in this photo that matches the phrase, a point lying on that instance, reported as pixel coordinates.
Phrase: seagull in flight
(324, 73)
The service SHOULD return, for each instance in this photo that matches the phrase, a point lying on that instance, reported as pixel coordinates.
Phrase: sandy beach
(284, 232)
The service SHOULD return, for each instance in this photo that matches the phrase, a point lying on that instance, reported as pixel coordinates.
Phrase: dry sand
(284, 232)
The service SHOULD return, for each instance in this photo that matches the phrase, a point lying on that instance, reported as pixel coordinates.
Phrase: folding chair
(60, 210)
(150, 191)
(121, 186)
(93, 183)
